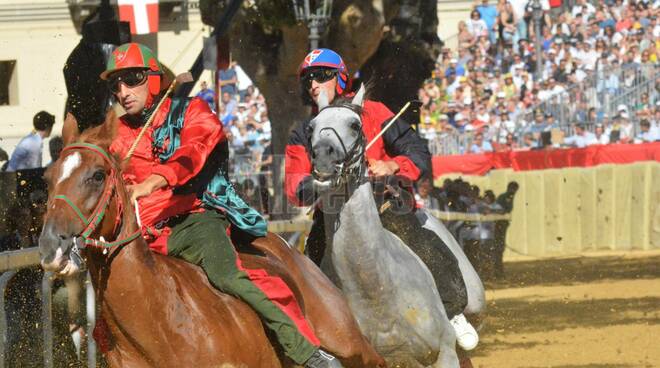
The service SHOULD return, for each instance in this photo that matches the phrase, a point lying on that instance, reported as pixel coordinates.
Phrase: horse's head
(81, 200)
(337, 138)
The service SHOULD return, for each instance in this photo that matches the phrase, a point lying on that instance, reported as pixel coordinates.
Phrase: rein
(91, 223)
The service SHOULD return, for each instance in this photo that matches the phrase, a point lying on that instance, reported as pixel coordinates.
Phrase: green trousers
(201, 239)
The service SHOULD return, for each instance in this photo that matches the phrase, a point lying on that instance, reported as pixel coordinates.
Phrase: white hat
(501, 94)
(467, 101)
(622, 107)
(459, 117)
(453, 61)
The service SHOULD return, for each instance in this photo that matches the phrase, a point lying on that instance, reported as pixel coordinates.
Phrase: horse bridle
(352, 158)
(91, 223)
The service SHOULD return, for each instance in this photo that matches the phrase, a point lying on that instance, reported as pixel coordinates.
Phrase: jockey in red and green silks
(184, 200)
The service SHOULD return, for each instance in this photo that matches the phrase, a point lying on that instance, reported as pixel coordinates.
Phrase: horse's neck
(124, 269)
(356, 228)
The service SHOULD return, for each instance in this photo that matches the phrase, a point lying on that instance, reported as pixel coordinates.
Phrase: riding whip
(403, 109)
(180, 79)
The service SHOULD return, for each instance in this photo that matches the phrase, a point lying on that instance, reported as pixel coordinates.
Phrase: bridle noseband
(92, 222)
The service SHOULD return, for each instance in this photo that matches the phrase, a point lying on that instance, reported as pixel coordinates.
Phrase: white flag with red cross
(142, 14)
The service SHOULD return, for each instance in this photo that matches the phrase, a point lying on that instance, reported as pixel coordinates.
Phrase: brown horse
(161, 311)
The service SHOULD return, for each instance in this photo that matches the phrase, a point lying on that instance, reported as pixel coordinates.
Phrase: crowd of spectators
(483, 241)
(244, 115)
(487, 94)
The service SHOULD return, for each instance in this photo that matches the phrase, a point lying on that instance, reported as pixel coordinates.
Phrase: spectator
(243, 82)
(624, 125)
(508, 31)
(465, 37)
(230, 107)
(55, 146)
(228, 80)
(424, 196)
(489, 15)
(647, 132)
(581, 138)
(479, 145)
(476, 26)
(505, 204)
(207, 95)
(28, 152)
(599, 134)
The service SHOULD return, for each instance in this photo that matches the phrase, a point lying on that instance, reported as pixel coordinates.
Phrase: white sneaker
(466, 336)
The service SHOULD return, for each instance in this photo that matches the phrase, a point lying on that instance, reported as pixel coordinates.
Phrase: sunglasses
(320, 76)
(131, 78)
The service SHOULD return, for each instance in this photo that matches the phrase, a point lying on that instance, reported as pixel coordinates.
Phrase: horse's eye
(98, 177)
(355, 126)
(309, 130)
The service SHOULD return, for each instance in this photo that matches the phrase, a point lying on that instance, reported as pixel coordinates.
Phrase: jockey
(184, 201)
(398, 152)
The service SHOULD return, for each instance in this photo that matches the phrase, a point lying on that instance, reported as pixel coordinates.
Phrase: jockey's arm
(407, 149)
(201, 132)
(151, 184)
(298, 169)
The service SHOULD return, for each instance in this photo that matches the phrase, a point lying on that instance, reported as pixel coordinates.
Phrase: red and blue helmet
(326, 58)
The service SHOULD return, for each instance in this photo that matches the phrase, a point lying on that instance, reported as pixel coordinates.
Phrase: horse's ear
(70, 132)
(323, 100)
(109, 129)
(104, 133)
(359, 96)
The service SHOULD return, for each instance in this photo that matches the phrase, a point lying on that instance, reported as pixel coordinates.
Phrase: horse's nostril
(331, 150)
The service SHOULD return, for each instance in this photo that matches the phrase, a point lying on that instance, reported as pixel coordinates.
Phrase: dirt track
(587, 312)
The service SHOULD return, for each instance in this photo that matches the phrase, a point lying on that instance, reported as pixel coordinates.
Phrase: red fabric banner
(480, 164)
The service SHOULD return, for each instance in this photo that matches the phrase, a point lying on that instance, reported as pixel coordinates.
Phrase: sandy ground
(587, 312)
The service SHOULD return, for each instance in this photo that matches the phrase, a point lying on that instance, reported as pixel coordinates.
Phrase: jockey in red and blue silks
(185, 201)
(399, 152)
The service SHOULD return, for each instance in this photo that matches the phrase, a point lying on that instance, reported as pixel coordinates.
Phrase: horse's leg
(322, 303)
(447, 357)
(439, 260)
(475, 288)
(464, 359)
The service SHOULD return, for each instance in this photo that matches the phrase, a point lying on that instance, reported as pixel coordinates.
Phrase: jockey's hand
(145, 188)
(383, 168)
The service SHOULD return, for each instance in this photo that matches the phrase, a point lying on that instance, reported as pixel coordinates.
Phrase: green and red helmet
(135, 55)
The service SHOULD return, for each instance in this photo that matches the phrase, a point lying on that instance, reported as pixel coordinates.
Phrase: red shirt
(297, 165)
(201, 132)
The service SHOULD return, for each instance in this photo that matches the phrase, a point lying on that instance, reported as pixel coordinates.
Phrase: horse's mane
(346, 103)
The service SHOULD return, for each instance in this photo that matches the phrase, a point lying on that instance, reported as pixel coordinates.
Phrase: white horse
(389, 289)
